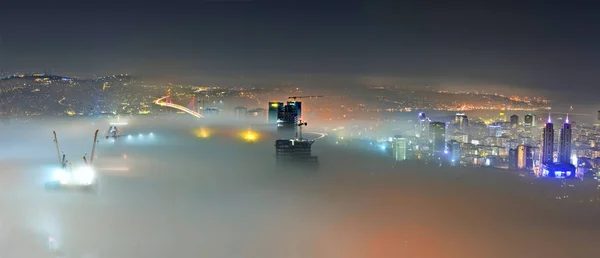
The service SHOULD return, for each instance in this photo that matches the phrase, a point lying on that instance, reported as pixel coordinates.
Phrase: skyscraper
(512, 159)
(548, 142)
(564, 153)
(528, 120)
(458, 117)
(514, 121)
(454, 150)
(437, 132)
(464, 123)
(524, 157)
(399, 148)
(274, 108)
(423, 127)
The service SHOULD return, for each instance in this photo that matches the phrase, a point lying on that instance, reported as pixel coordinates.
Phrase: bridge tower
(192, 104)
(168, 99)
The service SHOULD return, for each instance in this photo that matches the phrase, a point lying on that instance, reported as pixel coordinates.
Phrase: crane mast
(93, 147)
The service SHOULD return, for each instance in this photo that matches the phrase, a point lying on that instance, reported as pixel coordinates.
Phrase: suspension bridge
(166, 102)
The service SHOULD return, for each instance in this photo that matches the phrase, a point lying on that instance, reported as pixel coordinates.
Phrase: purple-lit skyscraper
(548, 142)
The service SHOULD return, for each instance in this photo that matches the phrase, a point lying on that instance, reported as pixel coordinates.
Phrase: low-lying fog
(195, 188)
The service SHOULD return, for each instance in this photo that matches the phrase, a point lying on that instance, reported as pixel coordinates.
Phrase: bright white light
(84, 175)
(129, 137)
(119, 123)
(60, 175)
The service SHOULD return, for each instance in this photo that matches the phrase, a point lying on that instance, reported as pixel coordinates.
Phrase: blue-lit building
(289, 117)
(274, 109)
(454, 151)
(297, 106)
(559, 170)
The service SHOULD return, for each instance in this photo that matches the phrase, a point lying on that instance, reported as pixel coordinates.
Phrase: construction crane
(304, 97)
(299, 132)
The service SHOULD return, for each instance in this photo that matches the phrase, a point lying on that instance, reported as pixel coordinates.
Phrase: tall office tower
(423, 127)
(514, 121)
(528, 120)
(399, 148)
(274, 109)
(512, 159)
(437, 132)
(548, 142)
(464, 123)
(598, 114)
(454, 150)
(564, 153)
(297, 106)
(288, 117)
(524, 157)
(458, 117)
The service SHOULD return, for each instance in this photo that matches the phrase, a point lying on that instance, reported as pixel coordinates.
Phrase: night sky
(533, 46)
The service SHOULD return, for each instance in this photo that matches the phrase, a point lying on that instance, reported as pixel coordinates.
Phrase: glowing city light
(250, 136)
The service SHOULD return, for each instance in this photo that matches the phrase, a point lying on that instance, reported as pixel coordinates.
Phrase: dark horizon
(547, 48)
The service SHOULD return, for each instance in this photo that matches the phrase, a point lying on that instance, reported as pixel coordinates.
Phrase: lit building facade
(274, 109)
(548, 142)
(514, 121)
(437, 132)
(524, 157)
(399, 148)
(564, 153)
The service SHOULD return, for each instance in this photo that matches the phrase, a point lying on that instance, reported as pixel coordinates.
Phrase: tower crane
(304, 97)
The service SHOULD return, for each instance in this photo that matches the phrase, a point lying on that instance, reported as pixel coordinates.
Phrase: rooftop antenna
(567, 119)
(549, 118)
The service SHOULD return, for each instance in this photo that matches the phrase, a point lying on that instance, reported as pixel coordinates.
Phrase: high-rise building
(514, 121)
(422, 130)
(464, 123)
(454, 150)
(524, 157)
(458, 117)
(564, 153)
(529, 120)
(512, 159)
(274, 109)
(399, 148)
(548, 143)
(288, 117)
(437, 133)
(240, 111)
(598, 114)
(297, 106)
(290, 151)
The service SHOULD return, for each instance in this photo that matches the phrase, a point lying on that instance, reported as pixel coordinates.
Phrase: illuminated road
(321, 135)
(160, 102)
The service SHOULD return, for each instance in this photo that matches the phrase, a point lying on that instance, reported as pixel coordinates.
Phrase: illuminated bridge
(165, 102)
